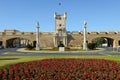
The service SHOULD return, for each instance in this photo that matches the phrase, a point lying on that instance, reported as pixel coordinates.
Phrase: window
(60, 25)
(58, 17)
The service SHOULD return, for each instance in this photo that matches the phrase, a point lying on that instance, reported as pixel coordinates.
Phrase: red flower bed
(63, 69)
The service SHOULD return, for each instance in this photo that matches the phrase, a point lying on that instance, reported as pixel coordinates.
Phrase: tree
(99, 41)
(29, 47)
(61, 44)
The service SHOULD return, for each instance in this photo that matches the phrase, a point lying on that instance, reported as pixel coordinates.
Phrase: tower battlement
(60, 29)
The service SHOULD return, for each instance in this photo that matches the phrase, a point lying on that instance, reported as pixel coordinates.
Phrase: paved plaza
(103, 52)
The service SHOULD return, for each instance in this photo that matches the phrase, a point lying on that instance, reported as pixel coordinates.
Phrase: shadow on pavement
(9, 58)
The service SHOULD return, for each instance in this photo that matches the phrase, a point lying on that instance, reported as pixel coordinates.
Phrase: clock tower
(60, 34)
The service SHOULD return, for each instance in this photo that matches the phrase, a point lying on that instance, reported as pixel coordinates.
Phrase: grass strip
(8, 60)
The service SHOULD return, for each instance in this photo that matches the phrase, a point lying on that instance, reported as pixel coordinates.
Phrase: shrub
(91, 46)
(68, 48)
(55, 49)
(61, 44)
(29, 47)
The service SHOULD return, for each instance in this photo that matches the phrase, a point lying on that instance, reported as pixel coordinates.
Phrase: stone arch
(17, 42)
(118, 42)
(34, 43)
(110, 41)
(1, 44)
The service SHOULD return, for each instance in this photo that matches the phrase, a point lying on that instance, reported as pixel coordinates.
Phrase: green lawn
(7, 60)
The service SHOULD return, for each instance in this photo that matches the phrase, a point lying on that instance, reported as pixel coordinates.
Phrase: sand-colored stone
(46, 38)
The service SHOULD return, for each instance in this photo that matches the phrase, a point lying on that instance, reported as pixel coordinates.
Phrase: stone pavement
(22, 52)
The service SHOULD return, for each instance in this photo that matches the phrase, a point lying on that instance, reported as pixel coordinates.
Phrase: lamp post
(37, 36)
(84, 43)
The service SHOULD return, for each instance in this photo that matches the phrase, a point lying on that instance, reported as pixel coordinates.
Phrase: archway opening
(119, 43)
(34, 43)
(1, 44)
(17, 42)
(103, 42)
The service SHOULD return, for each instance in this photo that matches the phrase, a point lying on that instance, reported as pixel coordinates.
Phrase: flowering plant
(63, 69)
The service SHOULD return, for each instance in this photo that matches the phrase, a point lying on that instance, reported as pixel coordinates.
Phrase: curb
(23, 50)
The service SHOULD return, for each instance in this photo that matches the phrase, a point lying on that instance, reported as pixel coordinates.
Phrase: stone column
(37, 37)
(115, 43)
(66, 41)
(4, 44)
(84, 43)
(56, 44)
(54, 41)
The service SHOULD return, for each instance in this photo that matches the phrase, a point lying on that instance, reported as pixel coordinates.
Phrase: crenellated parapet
(47, 33)
(2, 33)
(10, 31)
(16, 32)
(97, 33)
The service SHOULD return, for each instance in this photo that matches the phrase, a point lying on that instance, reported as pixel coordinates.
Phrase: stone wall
(74, 39)
(46, 40)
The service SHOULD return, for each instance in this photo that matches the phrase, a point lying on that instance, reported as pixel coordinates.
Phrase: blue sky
(101, 15)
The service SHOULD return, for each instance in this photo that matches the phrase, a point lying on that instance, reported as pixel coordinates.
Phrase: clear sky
(101, 15)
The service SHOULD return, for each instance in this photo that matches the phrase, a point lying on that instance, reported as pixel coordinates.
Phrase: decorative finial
(55, 14)
(65, 15)
(85, 23)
